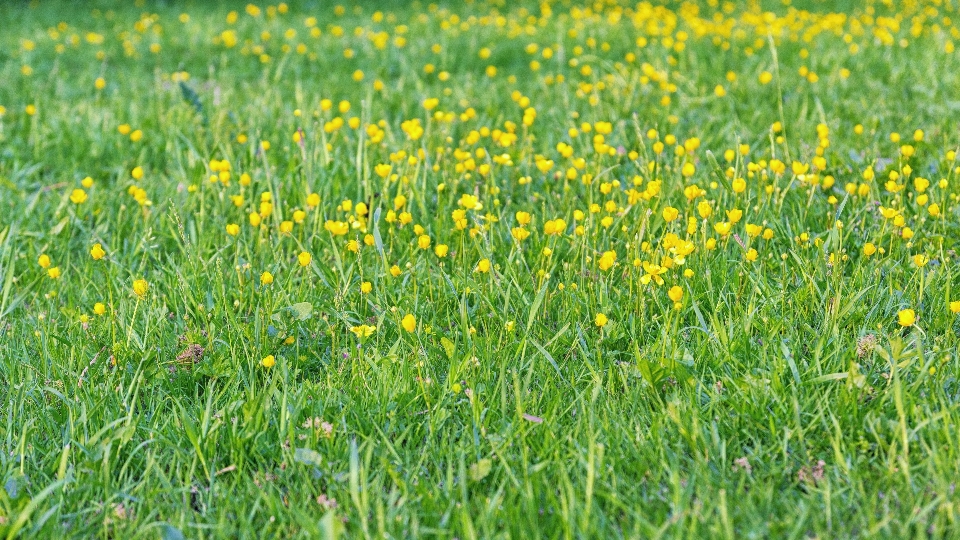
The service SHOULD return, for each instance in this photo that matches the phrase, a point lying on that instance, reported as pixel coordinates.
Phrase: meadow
(479, 269)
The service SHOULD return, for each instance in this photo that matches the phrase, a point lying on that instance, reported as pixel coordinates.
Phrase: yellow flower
(675, 293)
(266, 278)
(99, 308)
(336, 228)
(519, 233)
(363, 330)
(409, 322)
(483, 266)
(78, 196)
(469, 202)
(441, 250)
(44, 261)
(268, 361)
(704, 209)
(751, 255)
(140, 287)
(607, 259)
(97, 252)
(395, 271)
(366, 287)
(423, 241)
(670, 213)
(137, 173)
(869, 249)
(722, 227)
(304, 258)
(233, 229)
(54, 272)
(920, 260)
(652, 272)
(600, 320)
(554, 226)
(906, 317)
(955, 306)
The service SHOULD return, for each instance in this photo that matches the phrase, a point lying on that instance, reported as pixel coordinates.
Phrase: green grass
(777, 397)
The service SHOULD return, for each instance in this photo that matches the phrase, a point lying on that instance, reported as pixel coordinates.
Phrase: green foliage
(773, 396)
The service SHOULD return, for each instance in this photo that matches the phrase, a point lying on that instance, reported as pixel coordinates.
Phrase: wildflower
(54, 272)
(366, 287)
(441, 250)
(336, 228)
(722, 228)
(670, 213)
(140, 287)
(44, 261)
(519, 233)
(607, 259)
(906, 317)
(751, 255)
(554, 226)
(97, 252)
(483, 266)
(652, 272)
(363, 330)
(955, 306)
(304, 258)
(99, 308)
(600, 320)
(409, 322)
(423, 241)
(233, 229)
(869, 249)
(469, 202)
(268, 361)
(78, 196)
(266, 278)
(675, 293)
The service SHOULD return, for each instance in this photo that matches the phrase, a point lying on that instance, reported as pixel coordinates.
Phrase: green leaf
(169, 532)
(448, 347)
(307, 456)
(330, 526)
(480, 469)
(302, 310)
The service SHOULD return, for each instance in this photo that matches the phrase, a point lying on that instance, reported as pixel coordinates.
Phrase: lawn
(479, 269)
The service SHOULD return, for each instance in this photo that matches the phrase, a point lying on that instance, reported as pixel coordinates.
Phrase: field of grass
(479, 269)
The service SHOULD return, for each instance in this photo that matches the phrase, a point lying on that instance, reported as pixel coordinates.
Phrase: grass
(794, 375)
